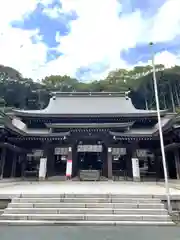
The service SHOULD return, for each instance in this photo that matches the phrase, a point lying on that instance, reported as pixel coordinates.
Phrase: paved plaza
(88, 233)
(15, 188)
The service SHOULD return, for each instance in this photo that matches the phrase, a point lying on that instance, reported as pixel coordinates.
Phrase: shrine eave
(35, 133)
(135, 133)
(132, 134)
(36, 138)
(90, 125)
(56, 115)
(135, 138)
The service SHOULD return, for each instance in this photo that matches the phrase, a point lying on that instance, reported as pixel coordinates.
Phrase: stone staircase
(88, 209)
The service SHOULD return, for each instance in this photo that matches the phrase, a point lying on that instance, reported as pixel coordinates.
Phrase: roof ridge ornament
(86, 94)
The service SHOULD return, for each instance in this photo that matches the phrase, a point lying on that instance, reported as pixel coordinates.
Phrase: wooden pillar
(104, 156)
(3, 159)
(177, 163)
(157, 166)
(129, 162)
(48, 151)
(109, 162)
(104, 165)
(69, 153)
(74, 157)
(18, 170)
(23, 165)
(14, 165)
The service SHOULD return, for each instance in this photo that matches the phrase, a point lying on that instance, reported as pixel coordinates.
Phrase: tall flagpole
(160, 132)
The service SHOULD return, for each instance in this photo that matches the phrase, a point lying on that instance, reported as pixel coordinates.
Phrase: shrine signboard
(61, 151)
(89, 148)
(141, 152)
(135, 169)
(119, 151)
(42, 168)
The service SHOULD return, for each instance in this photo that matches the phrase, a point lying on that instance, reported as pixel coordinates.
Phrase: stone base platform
(13, 189)
(85, 203)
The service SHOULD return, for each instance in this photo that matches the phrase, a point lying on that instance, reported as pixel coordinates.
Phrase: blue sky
(87, 39)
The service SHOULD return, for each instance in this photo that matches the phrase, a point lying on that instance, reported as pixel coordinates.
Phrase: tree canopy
(19, 92)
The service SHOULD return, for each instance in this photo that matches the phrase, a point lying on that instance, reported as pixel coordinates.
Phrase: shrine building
(100, 132)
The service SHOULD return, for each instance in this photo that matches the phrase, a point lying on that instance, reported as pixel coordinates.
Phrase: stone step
(87, 205)
(85, 195)
(87, 217)
(84, 211)
(84, 223)
(85, 200)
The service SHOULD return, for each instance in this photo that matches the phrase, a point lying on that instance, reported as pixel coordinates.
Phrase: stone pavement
(88, 233)
(9, 190)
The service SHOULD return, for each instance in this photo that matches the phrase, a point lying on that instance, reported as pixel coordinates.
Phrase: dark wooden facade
(106, 125)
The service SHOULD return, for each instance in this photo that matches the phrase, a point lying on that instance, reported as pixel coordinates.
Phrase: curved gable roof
(88, 104)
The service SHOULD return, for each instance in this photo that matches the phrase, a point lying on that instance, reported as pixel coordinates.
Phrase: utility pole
(160, 132)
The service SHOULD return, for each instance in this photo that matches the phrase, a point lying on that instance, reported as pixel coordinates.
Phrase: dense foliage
(19, 92)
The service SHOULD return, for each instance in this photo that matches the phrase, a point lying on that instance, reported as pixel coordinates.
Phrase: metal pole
(160, 133)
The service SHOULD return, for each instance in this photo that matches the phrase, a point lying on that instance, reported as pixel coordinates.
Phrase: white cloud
(166, 24)
(18, 51)
(97, 37)
(17, 48)
(15, 10)
(167, 59)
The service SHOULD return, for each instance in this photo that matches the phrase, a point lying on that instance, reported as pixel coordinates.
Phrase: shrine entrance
(60, 160)
(119, 163)
(90, 162)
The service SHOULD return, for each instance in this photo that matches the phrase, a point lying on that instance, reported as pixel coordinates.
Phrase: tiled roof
(99, 104)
